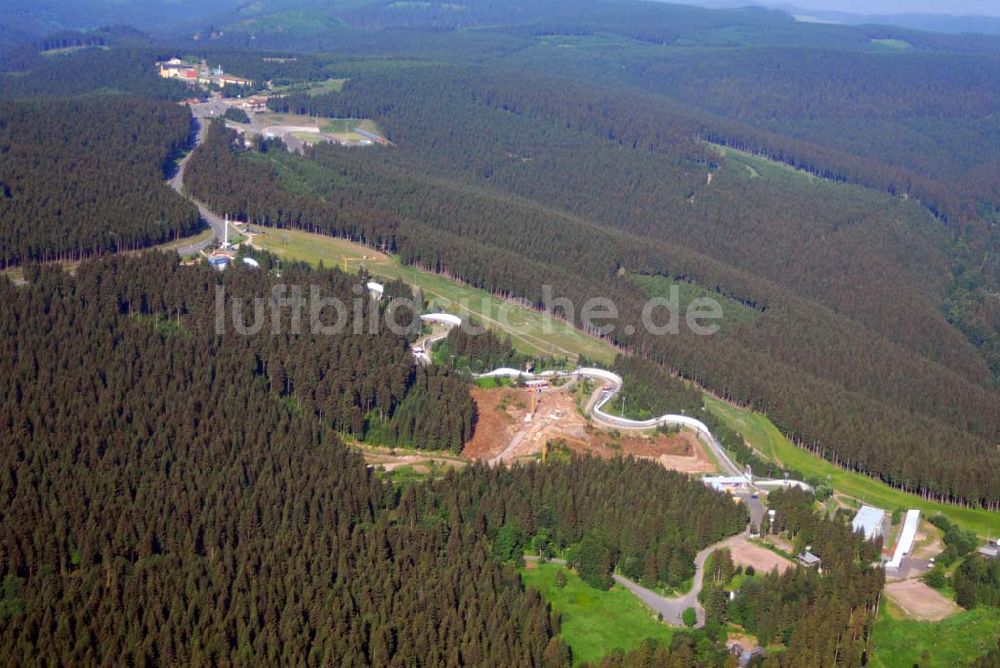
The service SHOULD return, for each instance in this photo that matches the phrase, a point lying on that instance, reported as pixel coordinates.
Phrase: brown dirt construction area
(499, 415)
(919, 601)
(762, 559)
(678, 452)
(503, 434)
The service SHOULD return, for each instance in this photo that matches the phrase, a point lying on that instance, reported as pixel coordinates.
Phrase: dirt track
(497, 421)
(919, 601)
(763, 560)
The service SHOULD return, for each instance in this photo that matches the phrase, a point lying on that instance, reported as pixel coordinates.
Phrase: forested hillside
(878, 103)
(123, 68)
(83, 177)
(504, 137)
(652, 538)
(179, 478)
(850, 354)
(169, 455)
(901, 114)
(478, 350)
(896, 110)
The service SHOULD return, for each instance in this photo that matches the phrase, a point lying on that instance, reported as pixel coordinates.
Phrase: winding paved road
(176, 182)
(672, 608)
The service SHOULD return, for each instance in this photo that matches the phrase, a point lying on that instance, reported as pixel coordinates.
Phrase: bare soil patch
(502, 434)
(763, 560)
(681, 451)
(929, 541)
(390, 461)
(745, 641)
(919, 601)
(500, 413)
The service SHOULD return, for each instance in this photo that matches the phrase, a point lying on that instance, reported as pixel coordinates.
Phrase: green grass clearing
(595, 622)
(309, 137)
(300, 21)
(748, 166)
(347, 125)
(403, 476)
(531, 332)
(327, 86)
(764, 437)
(734, 313)
(272, 118)
(332, 85)
(70, 50)
(955, 641)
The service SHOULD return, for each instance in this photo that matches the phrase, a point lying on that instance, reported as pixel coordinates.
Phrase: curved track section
(672, 609)
(612, 384)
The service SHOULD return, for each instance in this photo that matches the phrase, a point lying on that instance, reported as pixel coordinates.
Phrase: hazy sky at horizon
(955, 7)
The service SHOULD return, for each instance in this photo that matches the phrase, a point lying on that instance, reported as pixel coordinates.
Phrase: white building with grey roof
(869, 521)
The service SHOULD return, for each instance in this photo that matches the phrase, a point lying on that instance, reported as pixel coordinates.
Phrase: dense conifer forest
(648, 390)
(124, 68)
(477, 349)
(653, 537)
(194, 512)
(178, 484)
(977, 582)
(84, 177)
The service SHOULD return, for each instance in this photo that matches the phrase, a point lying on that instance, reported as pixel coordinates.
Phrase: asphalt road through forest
(176, 182)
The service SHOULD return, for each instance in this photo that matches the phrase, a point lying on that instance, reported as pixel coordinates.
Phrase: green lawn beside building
(955, 641)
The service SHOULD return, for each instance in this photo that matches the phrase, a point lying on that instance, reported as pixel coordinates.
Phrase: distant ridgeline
(843, 343)
(889, 117)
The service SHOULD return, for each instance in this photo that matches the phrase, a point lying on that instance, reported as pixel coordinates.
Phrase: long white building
(906, 538)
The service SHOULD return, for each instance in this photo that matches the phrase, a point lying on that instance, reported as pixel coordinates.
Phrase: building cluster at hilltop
(200, 74)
